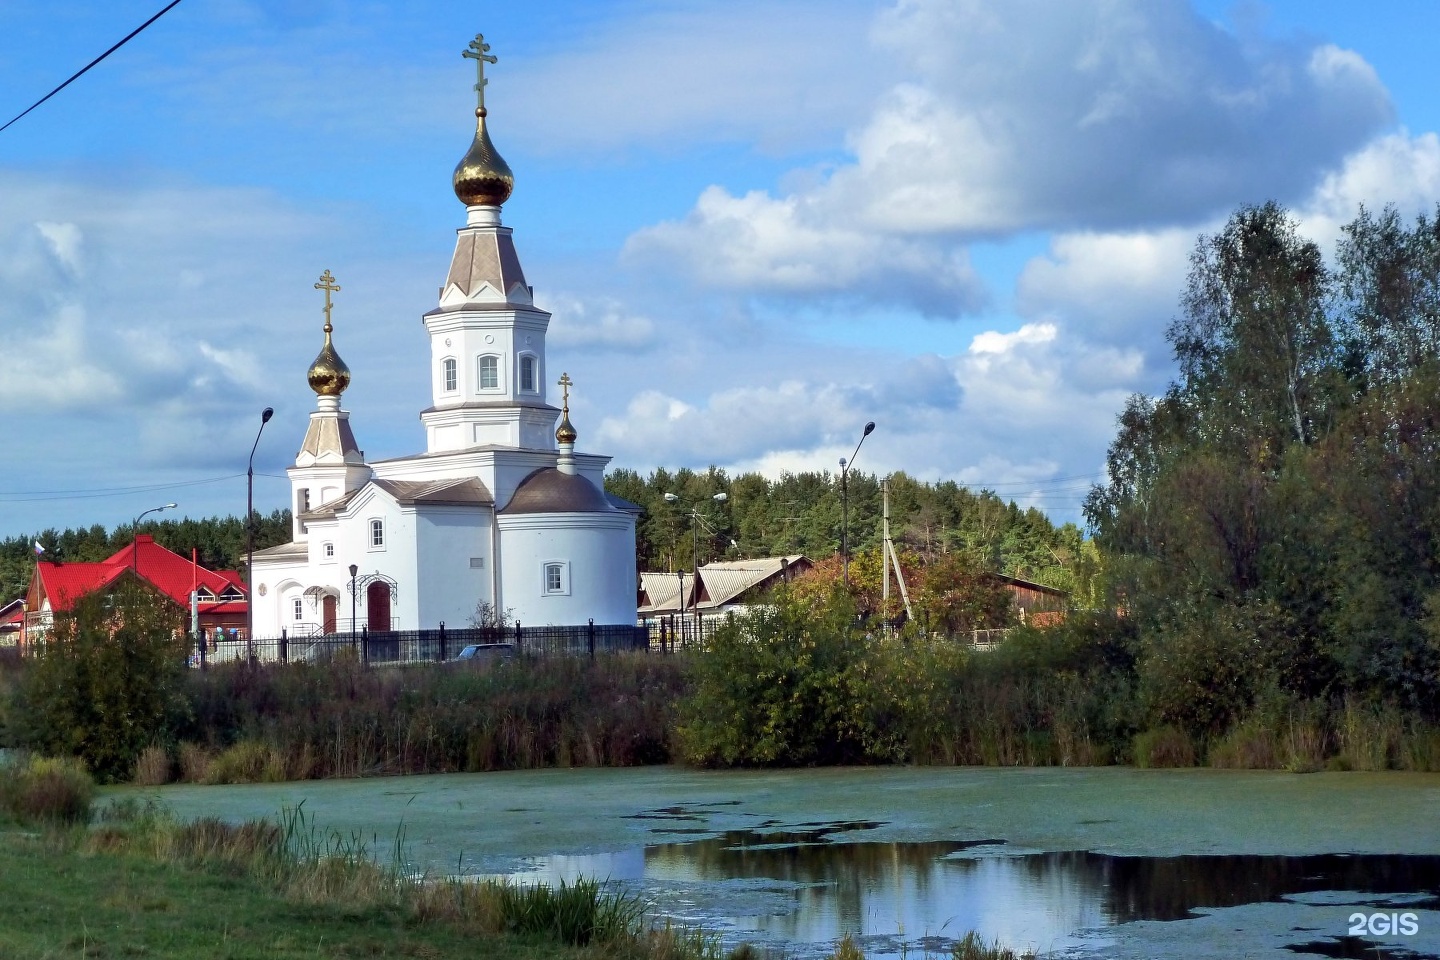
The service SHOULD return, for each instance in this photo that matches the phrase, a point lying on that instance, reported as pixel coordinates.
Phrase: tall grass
(313, 866)
(340, 719)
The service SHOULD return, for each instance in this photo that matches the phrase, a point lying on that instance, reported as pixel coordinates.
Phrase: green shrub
(46, 791)
(788, 684)
(106, 684)
(1164, 747)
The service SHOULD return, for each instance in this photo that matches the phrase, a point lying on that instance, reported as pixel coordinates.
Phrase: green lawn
(59, 902)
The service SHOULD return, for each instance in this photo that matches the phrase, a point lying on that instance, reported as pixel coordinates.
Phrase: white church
(499, 509)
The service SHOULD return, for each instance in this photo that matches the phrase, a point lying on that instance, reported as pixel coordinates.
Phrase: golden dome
(565, 433)
(328, 375)
(482, 177)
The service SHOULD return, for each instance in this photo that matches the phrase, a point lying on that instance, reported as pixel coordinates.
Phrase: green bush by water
(41, 790)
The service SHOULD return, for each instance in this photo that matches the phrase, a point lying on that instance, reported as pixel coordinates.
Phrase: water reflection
(806, 885)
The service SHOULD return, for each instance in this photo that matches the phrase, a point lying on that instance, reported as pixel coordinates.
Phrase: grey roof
(549, 491)
(467, 492)
(331, 436)
(620, 503)
(284, 551)
(483, 256)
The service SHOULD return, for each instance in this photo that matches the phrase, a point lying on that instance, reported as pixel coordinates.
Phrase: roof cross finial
(479, 52)
(565, 384)
(328, 284)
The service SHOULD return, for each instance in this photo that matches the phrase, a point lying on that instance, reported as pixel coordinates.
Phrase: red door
(328, 606)
(377, 606)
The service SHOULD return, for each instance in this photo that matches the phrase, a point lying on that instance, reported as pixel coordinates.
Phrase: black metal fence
(394, 647)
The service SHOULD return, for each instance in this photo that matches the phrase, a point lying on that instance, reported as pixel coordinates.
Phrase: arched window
(377, 534)
(449, 375)
(556, 577)
(329, 551)
(297, 608)
(527, 373)
(489, 372)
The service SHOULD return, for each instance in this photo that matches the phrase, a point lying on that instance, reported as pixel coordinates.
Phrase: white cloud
(595, 324)
(789, 247)
(1398, 168)
(1100, 117)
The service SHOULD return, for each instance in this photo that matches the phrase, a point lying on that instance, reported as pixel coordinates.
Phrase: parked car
(485, 653)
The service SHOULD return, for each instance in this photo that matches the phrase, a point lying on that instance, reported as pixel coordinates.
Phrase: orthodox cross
(565, 384)
(328, 284)
(479, 52)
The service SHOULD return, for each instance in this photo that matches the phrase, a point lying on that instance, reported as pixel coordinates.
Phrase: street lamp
(135, 535)
(265, 416)
(695, 522)
(354, 569)
(845, 503)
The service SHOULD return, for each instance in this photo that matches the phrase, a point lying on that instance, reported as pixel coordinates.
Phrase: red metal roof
(171, 574)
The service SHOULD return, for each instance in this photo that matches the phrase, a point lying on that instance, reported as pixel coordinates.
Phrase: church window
(450, 376)
(329, 551)
(557, 577)
(303, 498)
(298, 608)
(377, 534)
(490, 373)
(527, 373)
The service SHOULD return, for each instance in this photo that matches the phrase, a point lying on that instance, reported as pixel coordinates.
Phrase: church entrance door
(377, 606)
(327, 616)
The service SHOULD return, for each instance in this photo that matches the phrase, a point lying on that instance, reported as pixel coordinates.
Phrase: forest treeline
(797, 513)
(801, 513)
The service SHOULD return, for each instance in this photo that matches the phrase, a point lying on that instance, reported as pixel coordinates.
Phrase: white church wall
(597, 554)
(453, 574)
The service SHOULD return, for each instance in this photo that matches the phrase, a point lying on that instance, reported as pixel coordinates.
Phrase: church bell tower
(487, 338)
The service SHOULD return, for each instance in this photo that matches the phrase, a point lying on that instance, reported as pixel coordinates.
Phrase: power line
(130, 36)
(101, 492)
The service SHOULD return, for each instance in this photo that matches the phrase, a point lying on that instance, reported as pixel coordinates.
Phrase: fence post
(592, 638)
(284, 646)
(365, 646)
(443, 658)
(663, 637)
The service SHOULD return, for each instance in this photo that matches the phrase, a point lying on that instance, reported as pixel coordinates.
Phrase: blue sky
(758, 225)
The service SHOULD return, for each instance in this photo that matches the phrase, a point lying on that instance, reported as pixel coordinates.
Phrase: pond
(1085, 863)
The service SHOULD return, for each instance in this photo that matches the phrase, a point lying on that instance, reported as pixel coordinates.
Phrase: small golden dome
(328, 375)
(565, 433)
(482, 177)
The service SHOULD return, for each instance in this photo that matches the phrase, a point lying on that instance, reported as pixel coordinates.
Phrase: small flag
(38, 549)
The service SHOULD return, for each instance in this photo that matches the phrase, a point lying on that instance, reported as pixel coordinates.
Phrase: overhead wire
(85, 69)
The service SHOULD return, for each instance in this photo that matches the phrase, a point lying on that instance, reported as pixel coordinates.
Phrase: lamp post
(845, 503)
(354, 569)
(695, 522)
(135, 536)
(265, 416)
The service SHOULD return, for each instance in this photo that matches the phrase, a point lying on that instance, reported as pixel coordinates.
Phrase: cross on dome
(328, 284)
(479, 51)
(328, 375)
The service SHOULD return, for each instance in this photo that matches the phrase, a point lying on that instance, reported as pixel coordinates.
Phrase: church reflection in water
(803, 887)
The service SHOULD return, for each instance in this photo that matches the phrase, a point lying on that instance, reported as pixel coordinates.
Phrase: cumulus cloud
(598, 324)
(1096, 117)
(789, 247)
